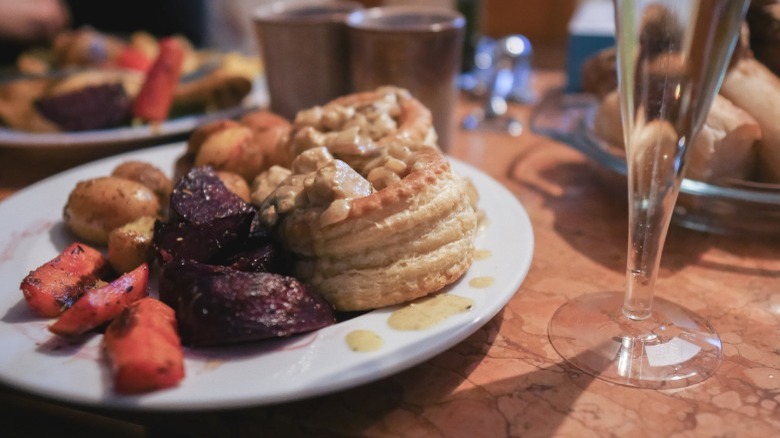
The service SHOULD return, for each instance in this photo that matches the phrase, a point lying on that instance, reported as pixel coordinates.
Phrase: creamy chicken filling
(339, 157)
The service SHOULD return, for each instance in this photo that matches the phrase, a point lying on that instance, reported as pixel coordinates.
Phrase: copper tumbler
(418, 48)
(305, 53)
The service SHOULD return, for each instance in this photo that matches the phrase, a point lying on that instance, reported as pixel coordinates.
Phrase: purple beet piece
(264, 258)
(209, 242)
(94, 107)
(200, 197)
(218, 305)
(207, 222)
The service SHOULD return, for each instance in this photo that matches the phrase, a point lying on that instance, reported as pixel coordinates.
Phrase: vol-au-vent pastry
(369, 203)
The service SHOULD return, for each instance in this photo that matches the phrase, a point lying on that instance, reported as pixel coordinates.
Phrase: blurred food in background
(86, 79)
(740, 139)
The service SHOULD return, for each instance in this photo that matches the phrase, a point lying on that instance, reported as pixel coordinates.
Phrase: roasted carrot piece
(102, 304)
(55, 285)
(144, 349)
(156, 96)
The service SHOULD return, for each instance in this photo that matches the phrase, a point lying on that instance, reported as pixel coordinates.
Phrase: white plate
(119, 139)
(31, 359)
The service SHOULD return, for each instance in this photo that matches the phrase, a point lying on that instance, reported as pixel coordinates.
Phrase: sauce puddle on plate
(481, 282)
(482, 254)
(428, 312)
(363, 341)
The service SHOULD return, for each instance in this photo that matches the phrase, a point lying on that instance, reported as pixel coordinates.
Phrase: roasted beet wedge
(95, 107)
(200, 197)
(204, 242)
(266, 257)
(206, 222)
(218, 305)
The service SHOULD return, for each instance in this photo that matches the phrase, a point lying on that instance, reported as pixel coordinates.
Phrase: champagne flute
(672, 55)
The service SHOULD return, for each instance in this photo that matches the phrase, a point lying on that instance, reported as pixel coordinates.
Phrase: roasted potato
(130, 245)
(99, 205)
(205, 131)
(148, 175)
(236, 184)
(271, 133)
(231, 149)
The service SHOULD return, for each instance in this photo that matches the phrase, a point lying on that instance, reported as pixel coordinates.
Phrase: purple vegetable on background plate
(90, 108)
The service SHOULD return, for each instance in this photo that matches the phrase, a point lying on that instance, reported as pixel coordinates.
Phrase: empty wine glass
(672, 56)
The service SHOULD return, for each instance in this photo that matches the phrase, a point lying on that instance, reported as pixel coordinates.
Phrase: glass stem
(651, 201)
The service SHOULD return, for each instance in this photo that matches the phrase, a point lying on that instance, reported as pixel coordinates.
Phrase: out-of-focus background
(227, 24)
(543, 22)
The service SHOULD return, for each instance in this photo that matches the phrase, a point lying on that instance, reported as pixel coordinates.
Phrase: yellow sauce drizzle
(364, 340)
(213, 364)
(481, 282)
(428, 312)
(482, 254)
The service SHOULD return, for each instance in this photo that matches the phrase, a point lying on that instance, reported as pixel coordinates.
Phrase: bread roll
(724, 149)
(599, 73)
(755, 89)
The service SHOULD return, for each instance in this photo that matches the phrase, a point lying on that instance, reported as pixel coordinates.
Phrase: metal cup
(305, 50)
(414, 47)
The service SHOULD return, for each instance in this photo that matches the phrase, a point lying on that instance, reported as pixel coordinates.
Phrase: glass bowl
(743, 208)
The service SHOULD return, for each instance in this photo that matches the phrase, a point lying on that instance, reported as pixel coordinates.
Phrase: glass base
(673, 348)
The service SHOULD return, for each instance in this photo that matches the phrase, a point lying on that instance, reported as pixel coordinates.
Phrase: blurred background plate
(117, 139)
(55, 152)
(742, 208)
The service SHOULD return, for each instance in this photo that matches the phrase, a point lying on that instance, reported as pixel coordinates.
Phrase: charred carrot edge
(100, 305)
(156, 96)
(144, 348)
(57, 284)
